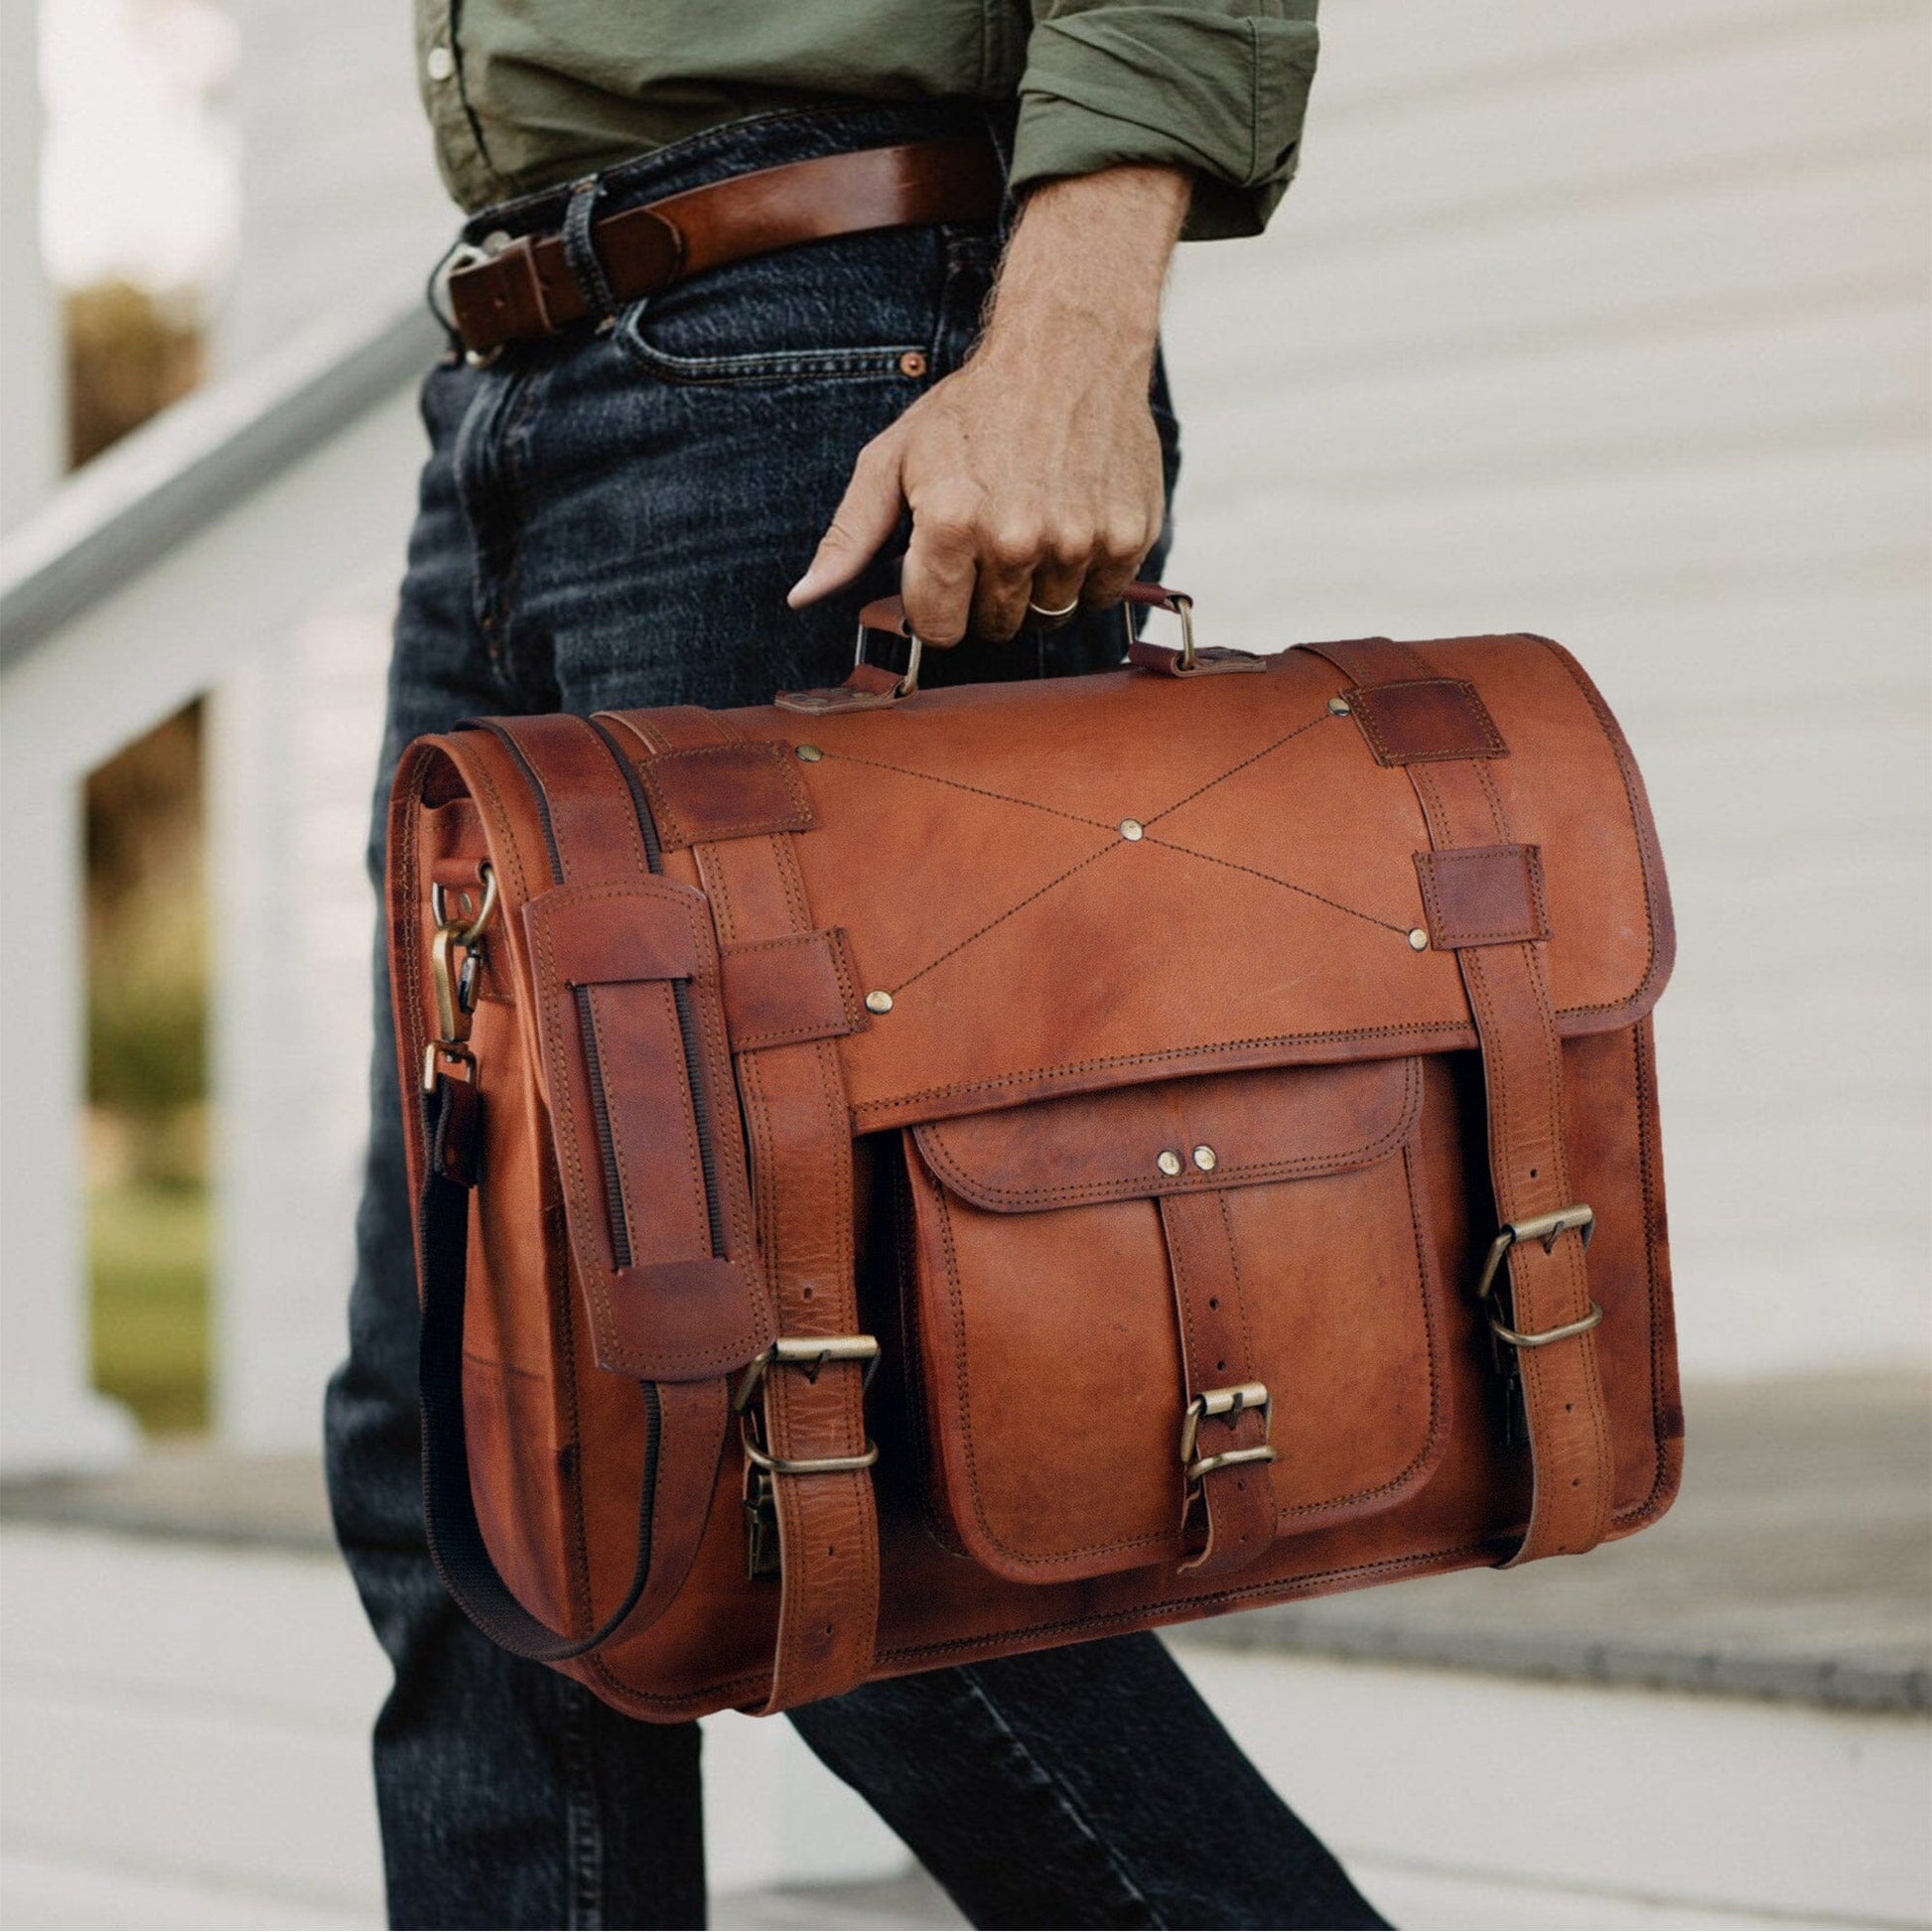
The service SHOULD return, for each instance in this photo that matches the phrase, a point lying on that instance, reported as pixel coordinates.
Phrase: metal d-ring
(467, 935)
(907, 684)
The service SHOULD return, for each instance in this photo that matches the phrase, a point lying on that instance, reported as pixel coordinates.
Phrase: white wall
(339, 198)
(1603, 325)
(33, 411)
(1610, 324)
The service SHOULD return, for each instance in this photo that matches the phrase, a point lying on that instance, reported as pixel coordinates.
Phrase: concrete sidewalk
(1480, 1747)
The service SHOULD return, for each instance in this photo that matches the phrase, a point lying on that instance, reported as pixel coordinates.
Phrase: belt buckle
(808, 1353)
(1548, 1229)
(1231, 1403)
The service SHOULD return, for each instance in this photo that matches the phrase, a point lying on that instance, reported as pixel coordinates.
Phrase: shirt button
(440, 64)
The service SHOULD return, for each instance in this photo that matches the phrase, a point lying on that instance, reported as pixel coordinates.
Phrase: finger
(1058, 586)
(937, 583)
(868, 513)
(1124, 541)
(1008, 559)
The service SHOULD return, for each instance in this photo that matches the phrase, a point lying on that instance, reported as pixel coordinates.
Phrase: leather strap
(1447, 759)
(680, 1418)
(1237, 1501)
(593, 831)
(799, 1127)
(526, 290)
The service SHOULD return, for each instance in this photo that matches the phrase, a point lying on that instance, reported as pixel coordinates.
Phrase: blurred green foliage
(150, 1302)
(129, 354)
(147, 1075)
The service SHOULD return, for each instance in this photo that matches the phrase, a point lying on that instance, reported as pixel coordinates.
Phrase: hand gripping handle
(870, 686)
(889, 612)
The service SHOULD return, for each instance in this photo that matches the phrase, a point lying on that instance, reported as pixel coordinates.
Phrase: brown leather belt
(525, 291)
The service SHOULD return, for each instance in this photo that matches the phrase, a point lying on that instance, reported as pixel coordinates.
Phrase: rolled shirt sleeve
(1215, 86)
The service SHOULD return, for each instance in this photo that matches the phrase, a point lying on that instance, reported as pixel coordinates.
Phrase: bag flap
(1206, 1132)
(1086, 882)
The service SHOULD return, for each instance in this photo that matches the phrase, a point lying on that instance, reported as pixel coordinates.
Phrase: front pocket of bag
(1051, 1360)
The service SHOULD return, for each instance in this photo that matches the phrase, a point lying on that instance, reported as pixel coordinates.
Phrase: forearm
(1088, 261)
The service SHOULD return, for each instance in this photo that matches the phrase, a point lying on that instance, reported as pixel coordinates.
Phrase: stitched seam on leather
(1306, 1584)
(728, 1160)
(978, 791)
(1288, 885)
(948, 1166)
(1079, 818)
(1492, 746)
(1438, 920)
(1646, 1168)
(619, 1211)
(1027, 1075)
(963, 1384)
(1281, 1589)
(1425, 1456)
(961, 1375)
(1321, 718)
(648, 769)
(561, 1106)
(1576, 1263)
(557, 1292)
(595, 1273)
(1647, 857)
(830, 942)
(1010, 911)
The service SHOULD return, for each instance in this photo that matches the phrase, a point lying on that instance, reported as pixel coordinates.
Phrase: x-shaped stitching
(1114, 840)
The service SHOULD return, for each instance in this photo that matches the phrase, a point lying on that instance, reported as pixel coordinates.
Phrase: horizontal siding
(1612, 325)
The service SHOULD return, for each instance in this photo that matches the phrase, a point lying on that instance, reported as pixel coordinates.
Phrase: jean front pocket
(854, 307)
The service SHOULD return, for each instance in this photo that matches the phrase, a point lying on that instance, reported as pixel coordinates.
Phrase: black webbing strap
(451, 1115)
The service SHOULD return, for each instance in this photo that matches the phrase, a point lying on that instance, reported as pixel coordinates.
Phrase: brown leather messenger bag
(906, 1176)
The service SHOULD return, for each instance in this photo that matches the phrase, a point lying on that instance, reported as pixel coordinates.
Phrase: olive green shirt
(527, 93)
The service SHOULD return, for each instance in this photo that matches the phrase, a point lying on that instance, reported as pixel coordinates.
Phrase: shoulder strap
(1482, 893)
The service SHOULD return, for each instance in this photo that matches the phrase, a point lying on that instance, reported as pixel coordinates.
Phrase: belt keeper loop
(580, 253)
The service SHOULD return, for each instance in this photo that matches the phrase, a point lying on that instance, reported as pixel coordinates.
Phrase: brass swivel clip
(453, 980)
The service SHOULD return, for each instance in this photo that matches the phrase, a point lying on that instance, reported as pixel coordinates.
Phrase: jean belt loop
(580, 253)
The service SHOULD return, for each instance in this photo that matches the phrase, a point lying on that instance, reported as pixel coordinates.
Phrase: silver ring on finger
(1047, 617)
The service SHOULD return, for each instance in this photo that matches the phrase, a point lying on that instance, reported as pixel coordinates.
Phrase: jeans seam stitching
(1068, 1802)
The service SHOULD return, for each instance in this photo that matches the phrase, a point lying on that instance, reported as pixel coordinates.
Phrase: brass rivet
(878, 1003)
(810, 753)
(1131, 828)
(1339, 706)
(912, 362)
(1168, 1161)
(1205, 1159)
(1419, 938)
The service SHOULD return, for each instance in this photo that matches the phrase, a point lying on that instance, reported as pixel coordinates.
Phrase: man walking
(935, 328)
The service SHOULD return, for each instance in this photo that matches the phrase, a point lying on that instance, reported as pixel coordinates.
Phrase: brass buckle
(811, 1353)
(762, 1468)
(1231, 1403)
(1547, 1228)
(439, 1050)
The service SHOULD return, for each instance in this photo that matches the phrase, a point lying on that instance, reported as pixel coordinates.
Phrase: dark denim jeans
(607, 522)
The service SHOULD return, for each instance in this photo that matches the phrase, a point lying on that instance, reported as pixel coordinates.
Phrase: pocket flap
(1229, 1130)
